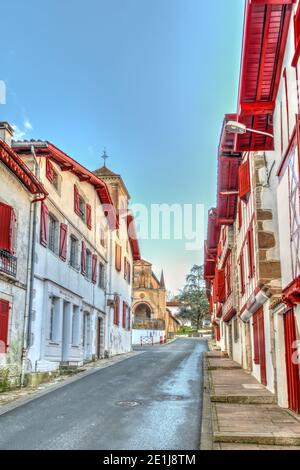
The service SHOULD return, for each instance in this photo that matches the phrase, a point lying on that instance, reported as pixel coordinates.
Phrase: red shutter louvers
(94, 269)
(63, 242)
(220, 285)
(49, 171)
(89, 216)
(44, 225)
(7, 225)
(244, 180)
(76, 201)
(4, 315)
(124, 314)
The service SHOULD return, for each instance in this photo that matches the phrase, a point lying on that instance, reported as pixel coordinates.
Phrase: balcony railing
(8, 263)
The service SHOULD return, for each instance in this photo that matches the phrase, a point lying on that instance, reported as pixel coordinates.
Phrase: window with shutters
(4, 319)
(53, 234)
(74, 252)
(118, 257)
(76, 200)
(63, 242)
(101, 281)
(53, 176)
(82, 208)
(7, 228)
(244, 180)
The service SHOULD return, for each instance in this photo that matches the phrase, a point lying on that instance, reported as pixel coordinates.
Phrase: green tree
(193, 303)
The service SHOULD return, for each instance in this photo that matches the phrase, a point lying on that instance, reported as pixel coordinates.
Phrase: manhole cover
(129, 403)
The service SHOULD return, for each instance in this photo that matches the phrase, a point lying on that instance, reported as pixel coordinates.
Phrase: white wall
(155, 334)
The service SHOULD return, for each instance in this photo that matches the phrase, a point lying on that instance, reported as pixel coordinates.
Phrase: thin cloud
(27, 124)
(18, 133)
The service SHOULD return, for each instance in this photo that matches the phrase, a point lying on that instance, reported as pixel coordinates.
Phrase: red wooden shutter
(4, 315)
(218, 333)
(292, 366)
(118, 257)
(89, 216)
(76, 200)
(63, 242)
(7, 223)
(44, 224)
(220, 285)
(117, 310)
(83, 258)
(49, 171)
(124, 314)
(94, 269)
(250, 252)
(255, 340)
(244, 180)
(242, 275)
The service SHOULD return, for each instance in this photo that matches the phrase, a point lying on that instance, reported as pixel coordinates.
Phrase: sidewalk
(243, 414)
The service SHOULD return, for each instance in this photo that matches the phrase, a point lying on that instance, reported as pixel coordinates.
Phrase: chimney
(6, 132)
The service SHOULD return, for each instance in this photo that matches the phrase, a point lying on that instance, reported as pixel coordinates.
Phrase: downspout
(30, 275)
(109, 289)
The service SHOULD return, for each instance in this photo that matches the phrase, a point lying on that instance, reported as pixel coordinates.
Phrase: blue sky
(148, 79)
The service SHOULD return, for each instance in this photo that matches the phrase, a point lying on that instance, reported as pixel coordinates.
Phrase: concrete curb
(206, 442)
(51, 387)
(260, 439)
(243, 399)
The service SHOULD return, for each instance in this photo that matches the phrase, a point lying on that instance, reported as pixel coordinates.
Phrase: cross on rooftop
(104, 156)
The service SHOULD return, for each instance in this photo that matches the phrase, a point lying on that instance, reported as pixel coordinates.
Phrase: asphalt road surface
(150, 401)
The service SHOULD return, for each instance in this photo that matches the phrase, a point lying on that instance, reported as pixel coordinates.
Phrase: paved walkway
(243, 412)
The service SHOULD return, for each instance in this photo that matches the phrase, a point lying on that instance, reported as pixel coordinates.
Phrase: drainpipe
(30, 275)
(109, 290)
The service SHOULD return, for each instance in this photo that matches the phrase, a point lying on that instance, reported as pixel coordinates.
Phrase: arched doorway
(142, 313)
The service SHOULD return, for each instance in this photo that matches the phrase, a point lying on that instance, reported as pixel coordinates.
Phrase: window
(53, 319)
(76, 200)
(74, 252)
(82, 208)
(117, 310)
(7, 228)
(101, 275)
(118, 257)
(4, 316)
(53, 234)
(75, 336)
(220, 285)
(44, 224)
(88, 264)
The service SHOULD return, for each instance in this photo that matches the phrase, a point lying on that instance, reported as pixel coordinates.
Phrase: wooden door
(292, 368)
(259, 344)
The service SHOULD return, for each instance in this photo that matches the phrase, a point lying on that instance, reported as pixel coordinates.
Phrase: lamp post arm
(260, 132)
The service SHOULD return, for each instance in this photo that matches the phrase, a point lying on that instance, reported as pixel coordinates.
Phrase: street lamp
(234, 127)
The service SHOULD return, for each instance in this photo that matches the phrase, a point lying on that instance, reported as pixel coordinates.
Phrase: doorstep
(244, 413)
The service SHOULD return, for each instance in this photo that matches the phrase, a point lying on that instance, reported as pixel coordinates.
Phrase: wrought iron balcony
(8, 263)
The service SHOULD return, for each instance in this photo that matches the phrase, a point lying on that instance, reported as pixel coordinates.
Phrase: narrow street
(150, 401)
